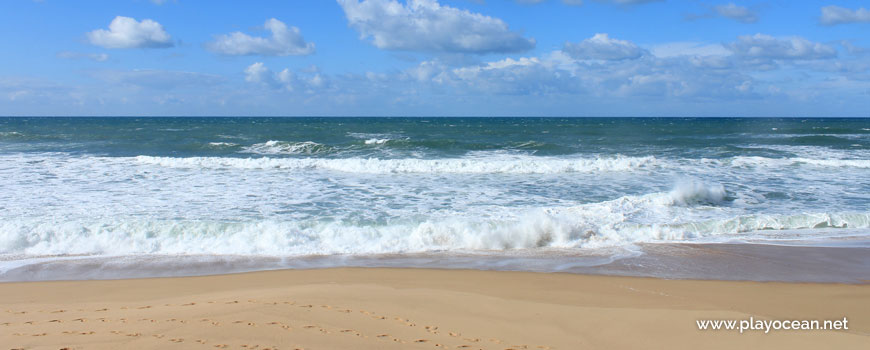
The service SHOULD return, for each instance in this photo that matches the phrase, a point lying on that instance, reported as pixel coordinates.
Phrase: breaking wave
(514, 165)
(282, 147)
(625, 220)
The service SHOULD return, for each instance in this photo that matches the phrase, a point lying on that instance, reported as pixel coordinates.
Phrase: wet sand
(383, 308)
(843, 262)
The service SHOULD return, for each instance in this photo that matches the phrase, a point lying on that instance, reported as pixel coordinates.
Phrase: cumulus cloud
(307, 80)
(602, 47)
(558, 74)
(126, 33)
(427, 26)
(761, 46)
(832, 15)
(285, 41)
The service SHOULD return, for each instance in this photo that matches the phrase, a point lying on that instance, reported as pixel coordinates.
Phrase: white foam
(512, 165)
(377, 141)
(273, 147)
(782, 162)
(595, 225)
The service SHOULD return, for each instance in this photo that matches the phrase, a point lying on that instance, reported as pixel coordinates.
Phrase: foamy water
(81, 189)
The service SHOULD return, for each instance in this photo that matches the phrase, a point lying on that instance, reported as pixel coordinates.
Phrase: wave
(283, 147)
(220, 145)
(782, 162)
(512, 165)
(543, 229)
(376, 141)
(618, 222)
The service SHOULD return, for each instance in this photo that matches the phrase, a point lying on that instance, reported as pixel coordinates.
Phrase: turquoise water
(288, 188)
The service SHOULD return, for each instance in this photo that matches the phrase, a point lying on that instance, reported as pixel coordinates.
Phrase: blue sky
(435, 57)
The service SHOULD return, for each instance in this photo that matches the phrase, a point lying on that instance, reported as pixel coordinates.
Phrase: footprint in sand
(177, 340)
(221, 346)
(188, 304)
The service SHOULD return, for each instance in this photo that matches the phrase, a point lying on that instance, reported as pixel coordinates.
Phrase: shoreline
(393, 308)
(843, 262)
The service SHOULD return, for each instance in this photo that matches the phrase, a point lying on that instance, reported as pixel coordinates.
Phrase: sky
(772, 58)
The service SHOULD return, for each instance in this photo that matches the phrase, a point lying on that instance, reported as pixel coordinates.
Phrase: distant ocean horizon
(129, 191)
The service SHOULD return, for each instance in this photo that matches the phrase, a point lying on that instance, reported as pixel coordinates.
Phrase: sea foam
(513, 165)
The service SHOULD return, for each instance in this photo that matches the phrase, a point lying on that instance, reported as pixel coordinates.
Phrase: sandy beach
(363, 308)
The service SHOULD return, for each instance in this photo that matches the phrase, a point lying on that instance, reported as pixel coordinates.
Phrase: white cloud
(761, 46)
(737, 13)
(70, 55)
(126, 32)
(427, 26)
(602, 47)
(258, 73)
(306, 80)
(285, 41)
(832, 15)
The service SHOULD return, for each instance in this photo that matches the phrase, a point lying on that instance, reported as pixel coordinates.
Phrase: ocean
(137, 197)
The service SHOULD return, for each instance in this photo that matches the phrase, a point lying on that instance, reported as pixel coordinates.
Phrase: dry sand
(420, 309)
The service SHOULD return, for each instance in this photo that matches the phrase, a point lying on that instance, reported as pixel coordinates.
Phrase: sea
(119, 197)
